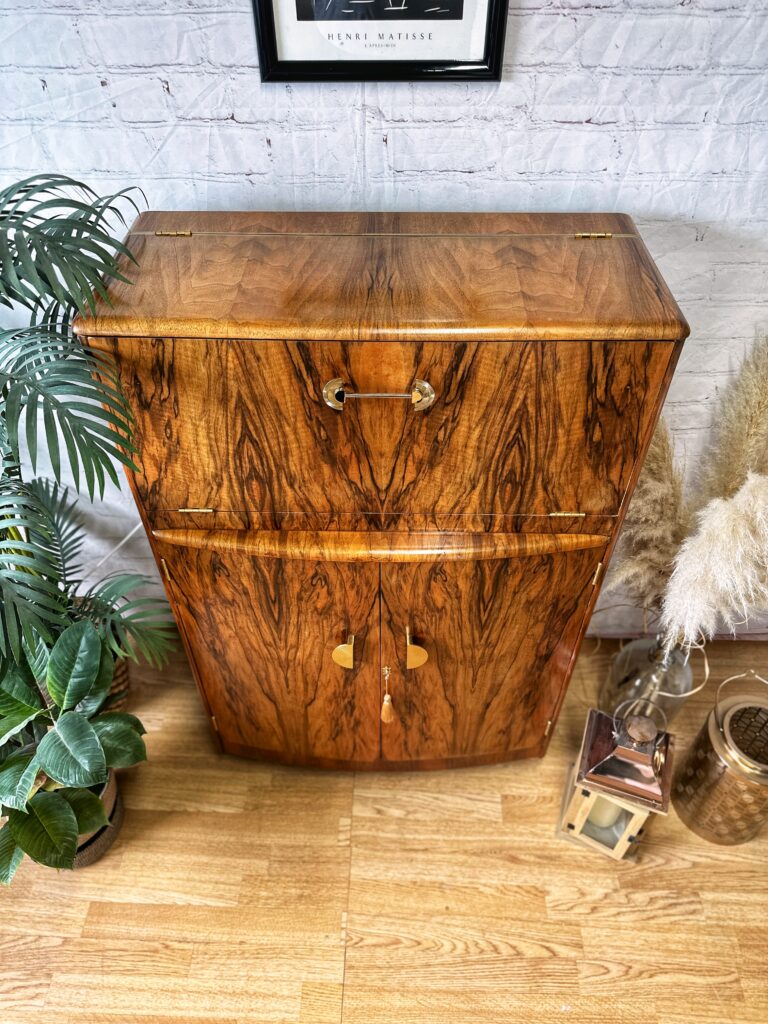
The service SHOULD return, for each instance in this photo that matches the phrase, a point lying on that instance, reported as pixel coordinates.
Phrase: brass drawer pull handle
(335, 394)
(415, 656)
(344, 654)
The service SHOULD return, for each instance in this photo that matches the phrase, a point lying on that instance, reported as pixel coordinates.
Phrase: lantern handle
(739, 675)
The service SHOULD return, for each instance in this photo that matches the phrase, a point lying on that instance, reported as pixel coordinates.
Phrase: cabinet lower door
(261, 634)
(499, 636)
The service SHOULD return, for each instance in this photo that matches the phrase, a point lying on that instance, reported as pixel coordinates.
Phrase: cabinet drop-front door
(498, 635)
(262, 632)
(515, 428)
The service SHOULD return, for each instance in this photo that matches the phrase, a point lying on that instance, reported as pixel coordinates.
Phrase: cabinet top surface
(382, 276)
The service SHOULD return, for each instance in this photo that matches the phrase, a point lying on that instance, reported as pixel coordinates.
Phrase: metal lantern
(623, 775)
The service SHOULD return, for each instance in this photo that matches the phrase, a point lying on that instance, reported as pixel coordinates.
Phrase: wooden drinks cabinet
(386, 454)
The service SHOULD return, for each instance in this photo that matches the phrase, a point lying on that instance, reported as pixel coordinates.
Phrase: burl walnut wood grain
(516, 429)
(369, 546)
(379, 223)
(286, 525)
(500, 637)
(500, 634)
(394, 277)
(261, 633)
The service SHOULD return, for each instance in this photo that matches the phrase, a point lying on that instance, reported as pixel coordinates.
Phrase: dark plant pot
(94, 845)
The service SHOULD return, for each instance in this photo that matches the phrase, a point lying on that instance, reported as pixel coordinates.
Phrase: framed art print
(370, 40)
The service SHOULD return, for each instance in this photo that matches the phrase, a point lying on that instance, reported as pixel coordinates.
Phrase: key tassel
(387, 711)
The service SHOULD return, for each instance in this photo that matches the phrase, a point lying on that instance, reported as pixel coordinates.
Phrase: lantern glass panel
(611, 834)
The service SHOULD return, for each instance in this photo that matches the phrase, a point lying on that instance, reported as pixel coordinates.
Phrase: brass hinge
(190, 510)
(548, 729)
(164, 567)
(593, 234)
(214, 723)
(598, 572)
(578, 515)
(173, 234)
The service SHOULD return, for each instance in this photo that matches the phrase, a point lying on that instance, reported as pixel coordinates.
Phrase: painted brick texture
(653, 107)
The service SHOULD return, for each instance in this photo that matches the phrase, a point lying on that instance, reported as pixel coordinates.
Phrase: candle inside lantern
(604, 813)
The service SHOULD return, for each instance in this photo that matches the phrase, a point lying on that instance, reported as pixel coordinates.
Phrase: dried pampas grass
(719, 574)
(657, 522)
(740, 442)
(721, 571)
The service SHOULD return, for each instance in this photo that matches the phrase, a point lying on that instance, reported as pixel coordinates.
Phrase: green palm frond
(9, 466)
(131, 627)
(49, 372)
(64, 537)
(56, 244)
(53, 315)
(32, 600)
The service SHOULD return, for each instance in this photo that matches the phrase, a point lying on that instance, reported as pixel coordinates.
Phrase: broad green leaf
(73, 666)
(120, 736)
(48, 833)
(10, 855)
(17, 776)
(98, 692)
(17, 689)
(37, 658)
(127, 719)
(19, 704)
(88, 808)
(71, 753)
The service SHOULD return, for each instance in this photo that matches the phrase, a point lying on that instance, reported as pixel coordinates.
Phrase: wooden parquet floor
(240, 893)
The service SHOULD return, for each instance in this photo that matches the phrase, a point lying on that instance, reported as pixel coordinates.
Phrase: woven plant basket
(94, 845)
(117, 698)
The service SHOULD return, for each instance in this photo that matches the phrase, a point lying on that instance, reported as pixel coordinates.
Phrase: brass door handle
(344, 654)
(415, 656)
(335, 394)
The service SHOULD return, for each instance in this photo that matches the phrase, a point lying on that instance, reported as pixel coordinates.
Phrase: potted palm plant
(59, 639)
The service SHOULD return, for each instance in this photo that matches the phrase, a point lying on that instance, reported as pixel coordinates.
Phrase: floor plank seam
(349, 890)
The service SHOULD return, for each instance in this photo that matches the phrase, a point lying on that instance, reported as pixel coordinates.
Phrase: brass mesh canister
(721, 788)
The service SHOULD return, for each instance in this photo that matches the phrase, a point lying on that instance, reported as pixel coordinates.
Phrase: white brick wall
(655, 108)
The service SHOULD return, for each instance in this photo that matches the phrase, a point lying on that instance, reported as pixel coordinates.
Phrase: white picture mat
(381, 40)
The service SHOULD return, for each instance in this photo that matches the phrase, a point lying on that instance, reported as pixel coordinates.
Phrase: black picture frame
(274, 70)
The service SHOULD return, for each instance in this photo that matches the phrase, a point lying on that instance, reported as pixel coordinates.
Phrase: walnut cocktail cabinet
(386, 454)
